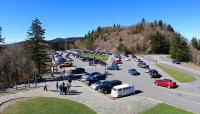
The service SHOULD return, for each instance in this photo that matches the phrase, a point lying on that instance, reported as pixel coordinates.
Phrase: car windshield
(103, 82)
(95, 73)
(154, 71)
(132, 70)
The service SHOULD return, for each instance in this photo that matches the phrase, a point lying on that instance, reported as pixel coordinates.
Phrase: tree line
(24, 63)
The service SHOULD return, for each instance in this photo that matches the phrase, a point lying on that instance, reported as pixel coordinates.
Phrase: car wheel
(105, 92)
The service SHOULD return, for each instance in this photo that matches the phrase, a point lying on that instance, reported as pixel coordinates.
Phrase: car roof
(167, 79)
(153, 70)
(113, 81)
(122, 86)
(132, 69)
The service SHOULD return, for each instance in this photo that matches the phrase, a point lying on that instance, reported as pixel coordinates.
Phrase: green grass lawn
(98, 57)
(180, 76)
(165, 109)
(44, 105)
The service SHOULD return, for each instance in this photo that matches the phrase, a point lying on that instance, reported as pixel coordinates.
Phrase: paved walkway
(102, 104)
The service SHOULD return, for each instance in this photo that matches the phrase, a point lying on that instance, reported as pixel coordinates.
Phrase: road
(179, 97)
(193, 86)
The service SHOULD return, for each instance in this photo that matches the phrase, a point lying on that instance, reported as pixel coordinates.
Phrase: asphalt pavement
(180, 97)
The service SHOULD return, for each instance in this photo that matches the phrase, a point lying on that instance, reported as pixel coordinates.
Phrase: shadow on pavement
(74, 92)
(138, 92)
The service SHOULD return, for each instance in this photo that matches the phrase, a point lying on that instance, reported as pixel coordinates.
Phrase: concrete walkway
(102, 104)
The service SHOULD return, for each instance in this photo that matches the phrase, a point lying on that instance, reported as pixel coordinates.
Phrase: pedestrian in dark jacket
(69, 81)
(57, 87)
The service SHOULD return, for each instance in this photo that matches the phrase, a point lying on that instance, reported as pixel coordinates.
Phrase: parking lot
(179, 97)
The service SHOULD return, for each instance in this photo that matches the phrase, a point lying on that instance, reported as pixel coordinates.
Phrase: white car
(127, 59)
(122, 90)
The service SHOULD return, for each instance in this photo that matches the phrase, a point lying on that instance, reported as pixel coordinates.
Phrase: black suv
(106, 88)
(77, 71)
(176, 61)
(154, 73)
(94, 79)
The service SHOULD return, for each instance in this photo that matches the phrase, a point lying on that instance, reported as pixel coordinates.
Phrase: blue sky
(68, 18)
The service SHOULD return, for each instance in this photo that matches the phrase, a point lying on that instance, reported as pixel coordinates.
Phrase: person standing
(63, 84)
(61, 89)
(57, 86)
(69, 81)
(106, 71)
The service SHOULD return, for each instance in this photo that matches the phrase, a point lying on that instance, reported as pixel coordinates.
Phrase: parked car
(176, 61)
(138, 60)
(113, 67)
(122, 90)
(127, 59)
(94, 79)
(106, 88)
(61, 61)
(133, 72)
(77, 71)
(117, 62)
(97, 85)
(86, 76)
(83, 59)
(154, 73)
(166, 83)
(142, 65)
(66, 64)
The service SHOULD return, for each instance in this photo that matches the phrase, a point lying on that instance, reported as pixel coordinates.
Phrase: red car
(117, 62)
(166, 83)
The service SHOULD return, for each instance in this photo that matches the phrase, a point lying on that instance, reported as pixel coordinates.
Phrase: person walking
(45, 86)
(68, 88)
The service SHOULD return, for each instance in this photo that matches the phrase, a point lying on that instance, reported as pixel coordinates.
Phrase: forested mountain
(66, 43)
(149, 37)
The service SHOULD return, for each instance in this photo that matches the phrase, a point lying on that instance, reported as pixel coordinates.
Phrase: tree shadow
(74, 92)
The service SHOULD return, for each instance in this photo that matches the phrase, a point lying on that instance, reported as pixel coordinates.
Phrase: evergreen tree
(160, 23)
(1, 39)
(179, 48)
(151, 25)
(155, 23)
(114, 26)
(36, 47)
(89, 41)
(121, 48)
(159, 44)
(195, 43)
(170, 28)
(143, 21)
